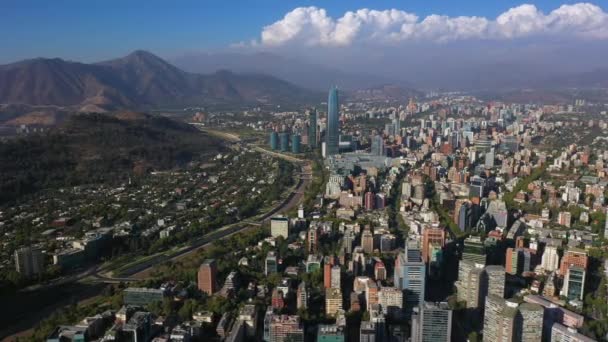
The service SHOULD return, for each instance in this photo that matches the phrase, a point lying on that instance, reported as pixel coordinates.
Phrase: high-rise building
(313, 240)
(312, 128)
(333, 301)
(561, 333)
(367, 241)
(531, 322)
(379, 271)
(279, 226)
(370, 200)
(207, 277)
(391, 301)
(432, 322)
(284, 328)
(249, 315)
(518, 260)
(474, 250)
(574, 283)
(367, 332)
(410, 275)
(330, 333)
(274, 140)
(302, 296)
(506, 320)
(377, 148)
(29, 261)
(296, 141)
(284, 141)
(277, 299)
(431, 236)
(336, 276)
(470, 284)
(550, 259)
(271, 264)
(332, 136)
(489, 162)
(499, 321)
(496, 280)
(573, 257)
(327, 275)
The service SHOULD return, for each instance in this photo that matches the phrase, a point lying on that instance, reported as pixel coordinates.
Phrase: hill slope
(98, 148)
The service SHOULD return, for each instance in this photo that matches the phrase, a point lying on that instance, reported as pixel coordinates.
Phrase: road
(292, 200)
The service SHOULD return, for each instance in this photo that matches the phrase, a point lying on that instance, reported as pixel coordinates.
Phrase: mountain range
(138, 80)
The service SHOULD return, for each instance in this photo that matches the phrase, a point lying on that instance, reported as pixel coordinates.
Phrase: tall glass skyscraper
(332, 136)
(312, 128)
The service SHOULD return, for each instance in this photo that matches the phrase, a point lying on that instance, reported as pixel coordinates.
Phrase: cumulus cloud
(312, 26)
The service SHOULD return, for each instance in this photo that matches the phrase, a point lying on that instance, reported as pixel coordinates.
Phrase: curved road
(292, 200)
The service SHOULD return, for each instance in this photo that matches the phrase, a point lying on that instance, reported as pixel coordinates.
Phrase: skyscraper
(377, 148)
(29, 261)
(432, 322)
(312, 128)
(207, 277)
(410, 275)
(332, 136)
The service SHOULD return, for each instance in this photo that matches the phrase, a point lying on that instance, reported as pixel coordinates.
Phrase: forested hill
(98, 148)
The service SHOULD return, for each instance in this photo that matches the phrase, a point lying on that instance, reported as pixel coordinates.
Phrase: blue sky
(90, 30)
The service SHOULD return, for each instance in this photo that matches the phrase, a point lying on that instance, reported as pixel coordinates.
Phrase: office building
(29, 261)
(270, 264)
(432, 322)
(379, 271)
(574, 283)
(333, 301)
(142, 296)
(489, 158)
(284, 328)
(377, 148)
(410, 275)
(312, 128)
(332, 135)
(284, 141)
(207, 277)
(296, 141)
(279, 226)
(274, 140)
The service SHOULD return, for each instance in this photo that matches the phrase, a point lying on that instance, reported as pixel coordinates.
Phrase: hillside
(98, 148)
(139, 80)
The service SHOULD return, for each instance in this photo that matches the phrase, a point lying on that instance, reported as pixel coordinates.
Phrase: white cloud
(312, 26)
